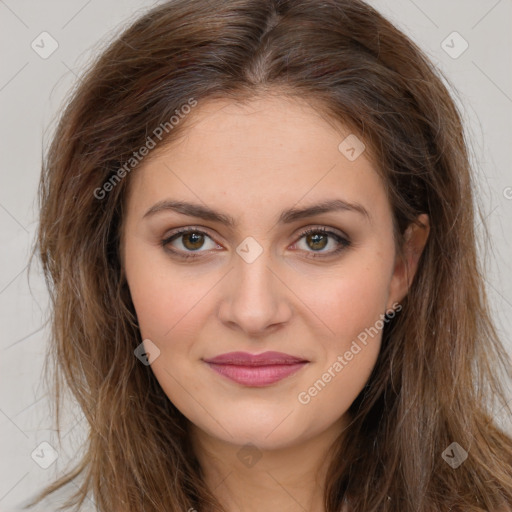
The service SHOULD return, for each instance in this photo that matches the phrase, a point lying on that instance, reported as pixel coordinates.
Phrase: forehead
(259, 124)
(263, 151)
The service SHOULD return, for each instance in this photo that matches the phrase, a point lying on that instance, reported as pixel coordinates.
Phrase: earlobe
(415, 239)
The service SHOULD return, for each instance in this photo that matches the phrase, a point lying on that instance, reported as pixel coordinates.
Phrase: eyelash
(343, 242)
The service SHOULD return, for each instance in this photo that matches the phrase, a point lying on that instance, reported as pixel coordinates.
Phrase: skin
(251, 162)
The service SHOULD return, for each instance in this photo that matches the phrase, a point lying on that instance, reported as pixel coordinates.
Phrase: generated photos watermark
(143, 151)
(304, 397)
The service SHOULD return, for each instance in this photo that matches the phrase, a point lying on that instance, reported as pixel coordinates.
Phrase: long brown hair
(439, 377)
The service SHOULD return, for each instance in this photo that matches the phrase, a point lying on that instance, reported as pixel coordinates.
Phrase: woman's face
(259, 284)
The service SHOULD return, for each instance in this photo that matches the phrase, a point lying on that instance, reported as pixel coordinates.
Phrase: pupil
(316, 238)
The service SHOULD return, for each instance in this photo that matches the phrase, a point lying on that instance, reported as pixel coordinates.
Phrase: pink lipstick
(256, 370)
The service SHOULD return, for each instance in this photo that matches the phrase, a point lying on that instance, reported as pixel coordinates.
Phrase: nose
(255, 297)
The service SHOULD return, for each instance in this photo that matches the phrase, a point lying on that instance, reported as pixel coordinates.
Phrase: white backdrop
(468, 39)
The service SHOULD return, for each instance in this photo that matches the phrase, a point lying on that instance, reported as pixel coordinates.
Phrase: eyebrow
(286, 216)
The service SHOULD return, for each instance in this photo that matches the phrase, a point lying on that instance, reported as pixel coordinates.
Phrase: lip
(256, 370)
(263, 359)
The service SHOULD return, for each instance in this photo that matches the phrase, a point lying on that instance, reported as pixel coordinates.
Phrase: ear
(415, 238)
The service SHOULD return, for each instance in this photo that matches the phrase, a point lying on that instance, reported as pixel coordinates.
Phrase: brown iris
(317, 238)
(193, 241)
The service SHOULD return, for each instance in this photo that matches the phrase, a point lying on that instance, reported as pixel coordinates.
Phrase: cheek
(351, 300)
(351, 303)
(163, 297)
(352, 308)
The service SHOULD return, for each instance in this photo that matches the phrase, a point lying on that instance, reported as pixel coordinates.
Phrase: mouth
(256, 370)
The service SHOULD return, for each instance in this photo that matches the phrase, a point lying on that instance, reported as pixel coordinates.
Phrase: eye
(317, 239)
(187, 242)
(192, 240)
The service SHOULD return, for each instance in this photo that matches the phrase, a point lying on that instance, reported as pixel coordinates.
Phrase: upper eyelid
(188, 229)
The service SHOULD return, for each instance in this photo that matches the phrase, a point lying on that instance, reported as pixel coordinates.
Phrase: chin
(271, 433)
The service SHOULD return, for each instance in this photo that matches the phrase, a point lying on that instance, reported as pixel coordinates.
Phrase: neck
(244, 478)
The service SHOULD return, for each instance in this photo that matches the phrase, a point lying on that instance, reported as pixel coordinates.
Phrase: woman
(258, 231)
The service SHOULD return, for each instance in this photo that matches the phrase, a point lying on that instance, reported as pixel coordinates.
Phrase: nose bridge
(256, 297)
(253, 278)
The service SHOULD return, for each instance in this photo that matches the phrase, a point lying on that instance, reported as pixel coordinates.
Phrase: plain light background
(32, 90)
